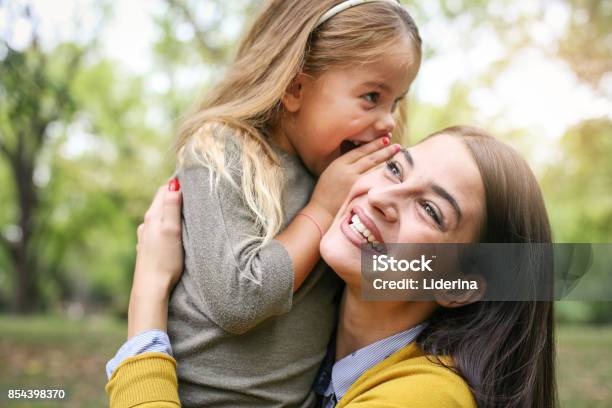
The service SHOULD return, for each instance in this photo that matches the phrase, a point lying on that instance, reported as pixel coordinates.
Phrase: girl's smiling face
(430, 193)
(344, 104)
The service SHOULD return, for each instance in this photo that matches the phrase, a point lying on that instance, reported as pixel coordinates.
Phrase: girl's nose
(383, 202)
(386, 122)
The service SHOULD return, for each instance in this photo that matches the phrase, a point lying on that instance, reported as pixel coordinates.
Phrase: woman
(458, 185)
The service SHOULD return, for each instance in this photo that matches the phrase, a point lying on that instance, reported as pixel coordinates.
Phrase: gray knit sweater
(240, 336)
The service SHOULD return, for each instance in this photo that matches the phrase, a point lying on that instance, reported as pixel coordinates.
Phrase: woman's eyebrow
(408, 156)
(448, 197)
(436, 188)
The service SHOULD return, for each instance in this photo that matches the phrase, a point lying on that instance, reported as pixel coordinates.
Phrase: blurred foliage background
(91, 93)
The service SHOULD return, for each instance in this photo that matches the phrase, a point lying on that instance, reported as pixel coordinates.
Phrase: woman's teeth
(358, 227)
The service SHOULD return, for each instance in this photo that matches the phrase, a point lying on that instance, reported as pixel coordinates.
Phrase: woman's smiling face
(430, 193)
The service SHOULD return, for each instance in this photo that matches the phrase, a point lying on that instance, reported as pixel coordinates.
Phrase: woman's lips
(356, 238)
(368, 223)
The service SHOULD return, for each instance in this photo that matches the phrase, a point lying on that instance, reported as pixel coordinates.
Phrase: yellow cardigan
(405, 379)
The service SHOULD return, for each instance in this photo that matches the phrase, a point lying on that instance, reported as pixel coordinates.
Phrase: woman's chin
(342, 257)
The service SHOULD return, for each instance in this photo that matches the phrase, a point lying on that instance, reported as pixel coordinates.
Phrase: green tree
(579, 184)
(33, 95)
(81, 158)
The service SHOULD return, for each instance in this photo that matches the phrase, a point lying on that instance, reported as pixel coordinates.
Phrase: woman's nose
(383, 203)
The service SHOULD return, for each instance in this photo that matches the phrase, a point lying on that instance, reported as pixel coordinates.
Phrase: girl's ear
(292, 100)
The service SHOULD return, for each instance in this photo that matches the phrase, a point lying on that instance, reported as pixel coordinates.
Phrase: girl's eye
(372, 97)
(432, 212)
(394, 168)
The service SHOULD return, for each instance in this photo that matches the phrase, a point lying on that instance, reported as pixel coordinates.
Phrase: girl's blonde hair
(284, 41)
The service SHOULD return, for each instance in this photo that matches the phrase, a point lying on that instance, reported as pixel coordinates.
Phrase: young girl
(251, 317)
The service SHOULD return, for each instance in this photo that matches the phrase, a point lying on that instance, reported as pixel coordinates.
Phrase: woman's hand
(159, 261)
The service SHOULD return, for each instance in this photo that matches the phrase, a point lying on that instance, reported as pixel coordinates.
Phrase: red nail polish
(386, 141)
(174, 185)
(397, 147)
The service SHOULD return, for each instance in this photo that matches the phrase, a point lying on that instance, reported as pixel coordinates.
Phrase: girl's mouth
(348, 145)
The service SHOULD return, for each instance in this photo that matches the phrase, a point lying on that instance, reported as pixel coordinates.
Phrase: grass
(584, 356)
(55, 353)
(50, 352)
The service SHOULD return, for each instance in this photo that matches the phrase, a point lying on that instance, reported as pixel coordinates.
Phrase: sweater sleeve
(147, 380)
(148, 341)
(238, 281)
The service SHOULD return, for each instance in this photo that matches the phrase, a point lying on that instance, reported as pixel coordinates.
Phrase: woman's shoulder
(410, 376)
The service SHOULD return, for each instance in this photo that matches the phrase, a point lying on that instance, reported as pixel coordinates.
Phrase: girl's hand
(159, 261)
(336, 181)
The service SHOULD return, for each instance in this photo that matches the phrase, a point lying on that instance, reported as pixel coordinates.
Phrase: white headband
(343, 6)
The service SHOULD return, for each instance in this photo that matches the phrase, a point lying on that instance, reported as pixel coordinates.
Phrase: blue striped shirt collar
(347, 370)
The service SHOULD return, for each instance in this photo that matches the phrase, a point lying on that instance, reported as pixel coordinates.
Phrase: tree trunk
(23, 258)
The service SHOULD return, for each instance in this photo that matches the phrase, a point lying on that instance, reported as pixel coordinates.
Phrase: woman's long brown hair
(504, 350)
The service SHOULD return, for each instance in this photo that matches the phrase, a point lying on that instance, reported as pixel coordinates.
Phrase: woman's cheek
(414, 229)
(376, 176)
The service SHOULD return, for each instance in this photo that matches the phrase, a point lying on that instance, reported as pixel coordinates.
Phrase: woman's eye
(372, 97)
(432, 212)
(394, 168)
